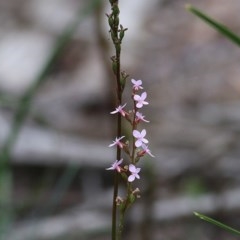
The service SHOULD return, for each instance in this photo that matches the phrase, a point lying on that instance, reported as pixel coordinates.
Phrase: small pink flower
(117, 142)
(140, 100)
(140, 137)
(146, 150)
(140, 117)
(137, 84)
(134, 173)
(120, 110)
(115, 166)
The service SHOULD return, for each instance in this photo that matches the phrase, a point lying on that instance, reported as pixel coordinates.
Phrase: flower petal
(138, 143)
(113, 112)
(132, 168)
(112, 144)
(133, 81)
(137, 170)
(111, 168)
(136, 133)
(144, 95)
(144, 140)
(120, 161)
(136, 97)
(143, 133)
(139, 105)
(131, 178)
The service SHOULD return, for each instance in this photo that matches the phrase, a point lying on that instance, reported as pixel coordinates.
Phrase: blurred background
(56, 92)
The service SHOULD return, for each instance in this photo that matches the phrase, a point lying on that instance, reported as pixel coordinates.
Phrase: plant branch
(113, 20)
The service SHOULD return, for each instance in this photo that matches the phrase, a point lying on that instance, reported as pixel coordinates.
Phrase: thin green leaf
(213, 23)
(219, 224)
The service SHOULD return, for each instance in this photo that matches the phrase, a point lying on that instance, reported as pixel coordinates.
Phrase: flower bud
(136, 193)
(115, 10)
(110, 21)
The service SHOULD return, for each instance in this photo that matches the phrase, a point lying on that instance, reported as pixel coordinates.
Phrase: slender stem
(120, 225)
(134, 125)
(117, 44)
(119, 133)
(116, 181)
(123, 211)
(114, 206)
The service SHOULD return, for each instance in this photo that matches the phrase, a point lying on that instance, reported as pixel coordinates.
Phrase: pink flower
(137, 84)
(134, 173)
(140, 137)
(146, 150)
(120, 110)
(140, 117)
(115, 166)
(140, 100)
(117, 142)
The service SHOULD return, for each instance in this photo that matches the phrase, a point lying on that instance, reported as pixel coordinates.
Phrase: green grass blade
(219, 224)
(213, 23)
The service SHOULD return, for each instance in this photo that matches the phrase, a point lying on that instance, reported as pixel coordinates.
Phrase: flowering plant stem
(133, 141)
(128, 171)
(123, 210)
(114, 31)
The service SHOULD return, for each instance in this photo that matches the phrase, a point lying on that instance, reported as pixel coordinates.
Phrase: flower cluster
(139, 145)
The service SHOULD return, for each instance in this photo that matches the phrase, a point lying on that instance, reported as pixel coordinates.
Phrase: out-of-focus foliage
(217, 223)
(235, 39)
(213, 23)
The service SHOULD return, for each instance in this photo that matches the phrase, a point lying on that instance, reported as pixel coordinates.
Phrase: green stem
(114, 26)
(134, 125)
(119, 133)
(123, 211)
(120, 225)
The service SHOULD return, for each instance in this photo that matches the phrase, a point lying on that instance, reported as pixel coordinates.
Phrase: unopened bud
(115, 10)
(136, 193)
(119, 200)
